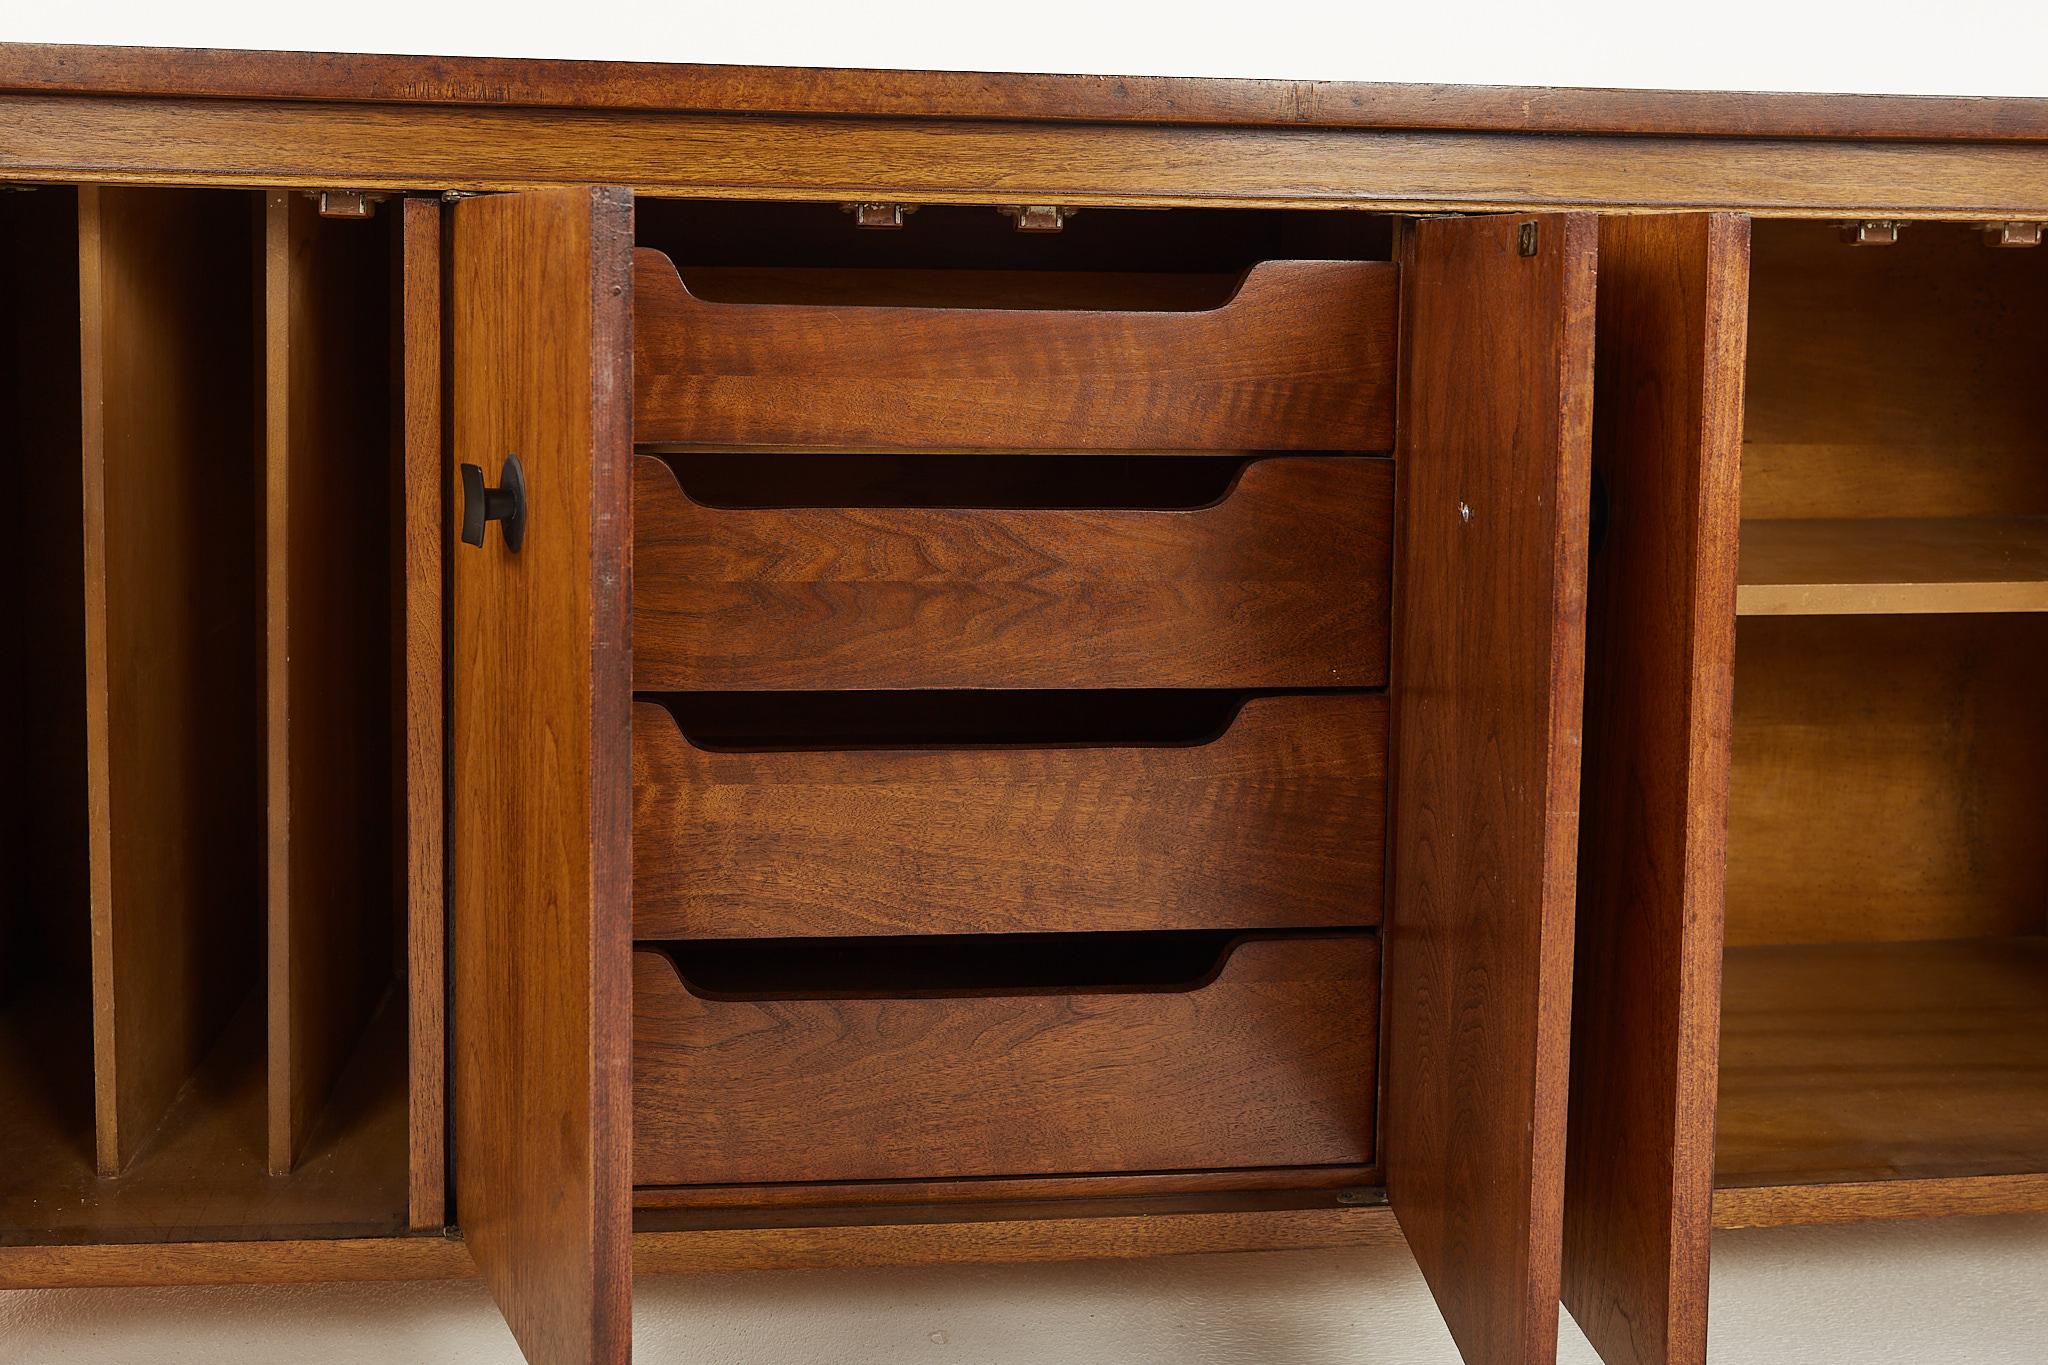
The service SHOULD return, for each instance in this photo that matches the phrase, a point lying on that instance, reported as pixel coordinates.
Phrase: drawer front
(1269, 1063)
(1300, 358)
(1281, 584)
(1278, 823)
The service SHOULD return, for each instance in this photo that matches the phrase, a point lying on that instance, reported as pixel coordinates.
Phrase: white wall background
(1889, 46)
(1971, 1292)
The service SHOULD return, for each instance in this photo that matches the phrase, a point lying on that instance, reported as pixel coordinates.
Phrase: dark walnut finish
(1188, 745)
(1279, 822)
(239, 74)
(1300, 357)
(540, 334)
(1282, 583)
(1271, 1062)
(1497, 325)
(1667, 434)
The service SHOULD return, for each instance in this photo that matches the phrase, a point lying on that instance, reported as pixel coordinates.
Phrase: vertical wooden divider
(327, 565)
(1660, 669)
(170, 642)
(419, 747)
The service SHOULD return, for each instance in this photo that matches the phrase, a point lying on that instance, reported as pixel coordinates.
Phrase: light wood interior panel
(202, 1176)
(1855, 1062)
(172, 587)
(1894, 381)
(419, 655)
(1888, 779)
(1886, 986)
(329, 707)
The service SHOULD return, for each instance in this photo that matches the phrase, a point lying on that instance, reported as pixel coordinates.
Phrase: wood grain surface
(267, 143)
(173, 571)
(327, 654)
(1897, 381)
(1857, 1062)
(237, 74)
(1283, 583)
(1833, 566)
(1487, 709)
(541, 339)
(1773, 1206)
(1269, 1063)
(1279, 822)
(1111, 1230)
(202, 1176)
(1660, 645)
(1887, 779)
(1300, 357)
(420, 687)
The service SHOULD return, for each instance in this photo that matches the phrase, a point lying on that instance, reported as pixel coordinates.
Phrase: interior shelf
(1923, 1064)
(1800, 566)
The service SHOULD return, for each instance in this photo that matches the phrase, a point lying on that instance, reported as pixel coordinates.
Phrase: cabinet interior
(1100, 262)
(1885, 1012)
(203, 960)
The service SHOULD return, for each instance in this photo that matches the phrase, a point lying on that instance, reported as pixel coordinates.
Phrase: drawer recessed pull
(506, 503)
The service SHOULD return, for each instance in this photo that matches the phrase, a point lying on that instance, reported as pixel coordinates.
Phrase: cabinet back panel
(1889, 777)
(1894, 381)
(43, 917)
(45, 980)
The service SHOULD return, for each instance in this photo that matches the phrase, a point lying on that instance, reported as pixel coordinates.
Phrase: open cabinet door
(541, 359)
(1660, 659)
(1496, 392)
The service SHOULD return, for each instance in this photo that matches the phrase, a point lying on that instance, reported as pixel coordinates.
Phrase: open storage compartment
(1885, 1016)
(203, 383)
(1007, 594)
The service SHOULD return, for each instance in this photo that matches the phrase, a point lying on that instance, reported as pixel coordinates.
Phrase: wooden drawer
(1301, 357)
(1279, 822)
(1283, 583)
(1267, 1062)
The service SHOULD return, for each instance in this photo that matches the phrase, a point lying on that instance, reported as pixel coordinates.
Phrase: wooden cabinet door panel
(1660, 659)
(1490, 564)
(541, 1029)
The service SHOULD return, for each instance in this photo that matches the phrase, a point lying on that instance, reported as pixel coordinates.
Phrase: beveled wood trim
(273, 143)
(59, 68)
(1770, 1206)
(311, 1260)
(991, 1239)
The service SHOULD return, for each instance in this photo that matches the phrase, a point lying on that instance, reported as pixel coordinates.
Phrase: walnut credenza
(662, 668)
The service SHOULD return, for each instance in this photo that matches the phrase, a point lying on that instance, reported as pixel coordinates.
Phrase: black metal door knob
(506, 503)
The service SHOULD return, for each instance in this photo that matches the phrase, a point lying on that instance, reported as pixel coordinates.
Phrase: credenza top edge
(56, 68)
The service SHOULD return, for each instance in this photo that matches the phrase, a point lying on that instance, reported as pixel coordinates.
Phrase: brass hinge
(1037, 217)
(878, 215)
(346, 203)
(2011, 234)
(1872, 232)
(1362, 1197)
